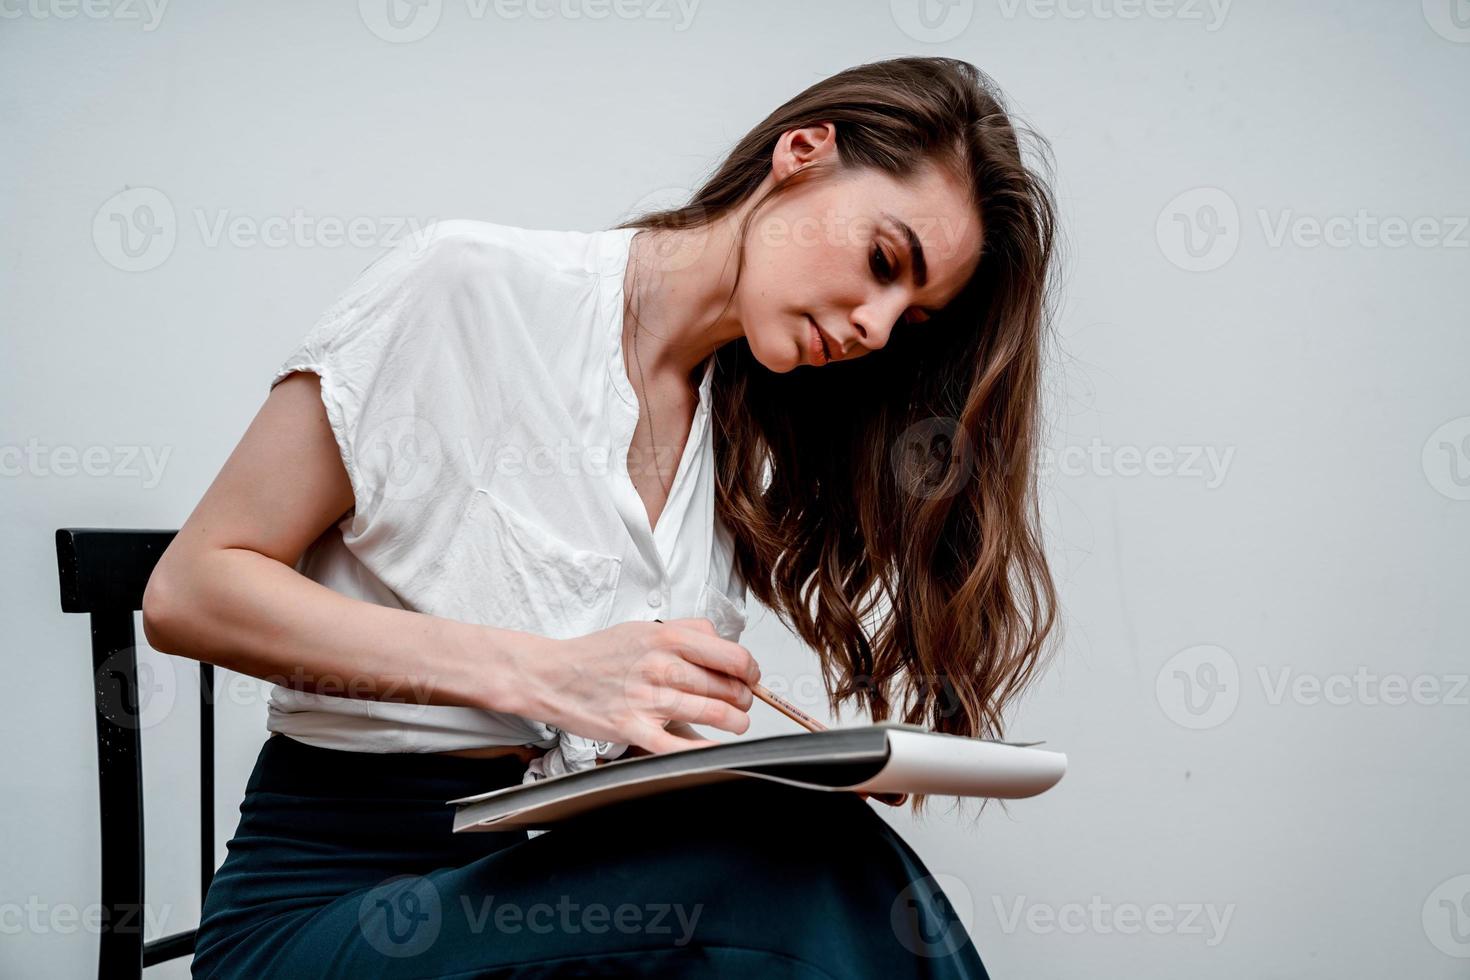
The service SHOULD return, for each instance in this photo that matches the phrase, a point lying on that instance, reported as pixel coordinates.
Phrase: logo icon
(402, 916)
(1199, 687)
(932, 21)
(931, 917)
(400, 21)
(1447, 917)
(933, 458)
(1450, 19)
(135, 230)
(145, 699)
(1446, 458)
(407, 455)
(1199, 230)
(663, 258)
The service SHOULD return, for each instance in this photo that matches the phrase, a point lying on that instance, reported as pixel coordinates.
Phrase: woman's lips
(817, 344)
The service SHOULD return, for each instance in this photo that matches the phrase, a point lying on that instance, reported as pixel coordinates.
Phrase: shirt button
(655, 598)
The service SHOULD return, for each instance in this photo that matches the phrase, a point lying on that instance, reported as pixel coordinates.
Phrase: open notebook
(887, 757)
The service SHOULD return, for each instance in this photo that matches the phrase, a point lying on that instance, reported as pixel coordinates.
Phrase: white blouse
(474, 378)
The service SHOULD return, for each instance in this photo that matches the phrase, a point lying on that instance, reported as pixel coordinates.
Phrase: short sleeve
(392, 354)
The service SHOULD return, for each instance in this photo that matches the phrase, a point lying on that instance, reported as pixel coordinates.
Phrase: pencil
(812, 725)
(788, 709)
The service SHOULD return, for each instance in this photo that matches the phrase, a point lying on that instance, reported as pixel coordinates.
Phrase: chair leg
(206, 778)
(120, 785)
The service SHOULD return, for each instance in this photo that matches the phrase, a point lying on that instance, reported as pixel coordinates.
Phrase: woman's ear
(799, 147)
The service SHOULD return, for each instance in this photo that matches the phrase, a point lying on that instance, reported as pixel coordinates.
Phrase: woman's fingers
(640, 677)
(657, 740)
(669, 688)
(685, 730)
(697, 641)
(710, 711)
(685, 676)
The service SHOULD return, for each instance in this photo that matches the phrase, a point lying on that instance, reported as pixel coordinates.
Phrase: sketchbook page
(825, 778)
(846, 755)
(473, 818)
(911, 762)
(950, 765)
(826, 746)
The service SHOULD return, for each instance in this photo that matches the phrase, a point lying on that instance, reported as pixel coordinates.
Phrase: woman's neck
(678, 286)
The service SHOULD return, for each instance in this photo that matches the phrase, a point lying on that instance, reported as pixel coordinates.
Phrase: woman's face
(831, 269)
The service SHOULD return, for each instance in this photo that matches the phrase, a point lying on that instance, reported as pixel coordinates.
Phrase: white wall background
(1306, 819)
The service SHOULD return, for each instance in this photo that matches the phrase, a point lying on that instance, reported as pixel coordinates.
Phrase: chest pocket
(727, 614)
(503, 569)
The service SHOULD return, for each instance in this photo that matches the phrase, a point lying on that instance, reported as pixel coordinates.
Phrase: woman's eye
(881, 266)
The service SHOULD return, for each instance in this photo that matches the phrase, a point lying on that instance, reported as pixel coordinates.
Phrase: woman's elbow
(160, 614)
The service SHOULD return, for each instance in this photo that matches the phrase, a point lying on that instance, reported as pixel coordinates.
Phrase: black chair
(103, 573)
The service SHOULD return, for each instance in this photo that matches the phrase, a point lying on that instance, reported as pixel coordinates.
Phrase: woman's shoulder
(475, 245)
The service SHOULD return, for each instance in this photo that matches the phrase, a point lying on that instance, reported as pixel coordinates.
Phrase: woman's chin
(788, 359)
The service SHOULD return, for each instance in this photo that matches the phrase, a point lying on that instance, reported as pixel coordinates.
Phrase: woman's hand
(627, 682)
(679, 728)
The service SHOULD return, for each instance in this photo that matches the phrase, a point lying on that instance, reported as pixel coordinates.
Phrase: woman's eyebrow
(916, 249)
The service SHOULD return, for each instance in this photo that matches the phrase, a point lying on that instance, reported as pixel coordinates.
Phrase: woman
(822, 375)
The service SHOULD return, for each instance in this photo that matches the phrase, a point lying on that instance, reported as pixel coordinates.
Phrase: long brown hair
(907, 551)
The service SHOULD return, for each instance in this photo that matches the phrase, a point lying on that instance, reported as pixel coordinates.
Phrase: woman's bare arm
(226, 590)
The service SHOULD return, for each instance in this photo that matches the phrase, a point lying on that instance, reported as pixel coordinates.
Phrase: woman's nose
(874, 323)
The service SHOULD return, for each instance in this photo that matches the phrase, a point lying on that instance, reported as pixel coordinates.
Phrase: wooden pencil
(812, 725)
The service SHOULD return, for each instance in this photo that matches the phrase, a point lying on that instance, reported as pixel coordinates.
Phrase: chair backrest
(103, 572)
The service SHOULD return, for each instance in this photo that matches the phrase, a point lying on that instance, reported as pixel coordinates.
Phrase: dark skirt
(344, 865)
